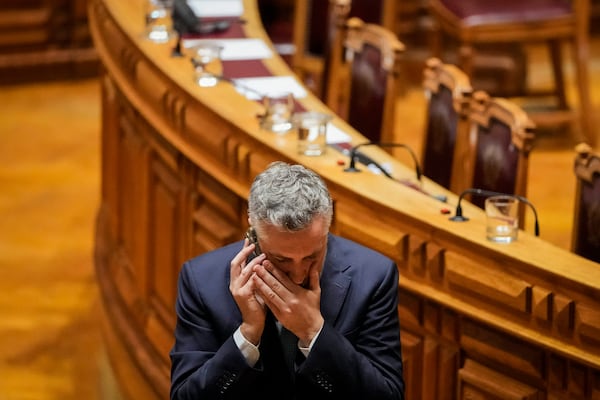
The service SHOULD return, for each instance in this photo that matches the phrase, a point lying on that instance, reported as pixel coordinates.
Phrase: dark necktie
(289, 344)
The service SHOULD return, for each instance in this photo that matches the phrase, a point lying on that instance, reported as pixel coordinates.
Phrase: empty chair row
(471, 139)
(475, 140)
(475, 26)
(479, 24)
(315, 31)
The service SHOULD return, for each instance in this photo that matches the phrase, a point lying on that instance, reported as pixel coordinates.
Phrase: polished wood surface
(49, 172)
(50, 343)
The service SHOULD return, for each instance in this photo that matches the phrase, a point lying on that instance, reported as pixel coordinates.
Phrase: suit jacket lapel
(334, 283)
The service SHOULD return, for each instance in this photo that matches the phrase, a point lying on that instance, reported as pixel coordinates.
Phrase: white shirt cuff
(249, 351)
(306, 350)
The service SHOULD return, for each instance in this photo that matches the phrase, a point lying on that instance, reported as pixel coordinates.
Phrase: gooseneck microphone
(186, 21)
(458, 215)
(354, 153)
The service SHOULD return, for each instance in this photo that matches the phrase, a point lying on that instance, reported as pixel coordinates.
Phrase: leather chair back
(317, 27)
(497, 159)
(478, 26)
(586, 222)
(500, 138)
(448, 92)
(374, 60)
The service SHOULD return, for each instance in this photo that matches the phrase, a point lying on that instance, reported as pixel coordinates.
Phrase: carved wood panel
(164, 237)
(476, 382)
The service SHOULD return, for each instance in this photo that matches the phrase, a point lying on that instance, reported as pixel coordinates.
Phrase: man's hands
(295, 307)
(259, 284)
(243, 289)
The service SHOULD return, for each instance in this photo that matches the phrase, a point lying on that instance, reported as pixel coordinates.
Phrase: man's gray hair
(289, 197)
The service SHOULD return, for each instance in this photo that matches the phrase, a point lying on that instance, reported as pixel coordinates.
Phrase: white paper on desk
(216, 8)
(256, 88)
(336, 135)
(236, 49)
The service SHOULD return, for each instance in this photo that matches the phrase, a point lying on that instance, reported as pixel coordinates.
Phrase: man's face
(295, 252)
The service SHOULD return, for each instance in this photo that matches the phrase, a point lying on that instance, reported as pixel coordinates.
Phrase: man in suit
(331, 301)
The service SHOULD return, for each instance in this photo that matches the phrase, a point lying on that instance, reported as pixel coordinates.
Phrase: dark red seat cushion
(487, 12)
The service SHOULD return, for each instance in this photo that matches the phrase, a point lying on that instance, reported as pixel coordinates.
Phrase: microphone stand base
(351, 169)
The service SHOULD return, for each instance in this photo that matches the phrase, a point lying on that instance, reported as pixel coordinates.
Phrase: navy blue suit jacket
(356, 356)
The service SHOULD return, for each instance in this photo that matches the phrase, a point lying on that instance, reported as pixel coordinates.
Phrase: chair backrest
(277, 19)
(586, 222)
(448, 94)
(315, 34)
(373, 56)
(499, 142)
(316, 29)
(479, 26)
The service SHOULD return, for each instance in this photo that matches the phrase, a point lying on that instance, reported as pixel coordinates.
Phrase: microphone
(354, 154)
(459, 217)
(186, 21)
(176, 52)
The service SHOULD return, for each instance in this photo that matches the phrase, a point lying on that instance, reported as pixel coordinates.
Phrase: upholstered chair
(448, 93)
(373, 58)
(476, 24)
(316, 31)
(586, 221)
(499, 142)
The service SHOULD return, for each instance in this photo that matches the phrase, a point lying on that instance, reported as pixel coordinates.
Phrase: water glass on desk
(206, 58)
(502, 213)
(159, 20)
(279, 108)
(312, 132)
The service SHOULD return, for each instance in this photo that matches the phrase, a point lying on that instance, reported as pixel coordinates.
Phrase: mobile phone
(253, 238)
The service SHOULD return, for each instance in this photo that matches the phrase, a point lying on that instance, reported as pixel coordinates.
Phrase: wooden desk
(519, 320)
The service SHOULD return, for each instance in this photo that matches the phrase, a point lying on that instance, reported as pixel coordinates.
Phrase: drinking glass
(502, 214)
(159, 20)
(312, 132)
(206, 58)
(279, 108)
